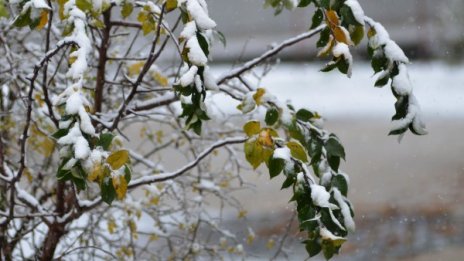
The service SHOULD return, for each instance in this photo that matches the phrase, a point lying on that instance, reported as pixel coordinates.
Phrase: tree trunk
(54, 234)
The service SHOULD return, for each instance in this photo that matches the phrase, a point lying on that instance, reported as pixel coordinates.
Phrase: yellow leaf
(28, 174)
(341, 35)
(111, 226)
(61, 8)
(297, 151)
(242, 214)
(43, 20)
(155, 200)
(171, 5)
(120, 186)
(332, 18)
(118, 159)
(159, 78)
(142, 16)
(135, 68)
(265, 138)
(251, 128)
(371, 32)
(258, 95)
(97, 173)
(270, 244)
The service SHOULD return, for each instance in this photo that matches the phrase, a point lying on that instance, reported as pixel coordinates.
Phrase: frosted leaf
(189, 30)
(198, 83)
(342, 49)
(209, 80)
(282, 153)
(86, 124)
(320, 196)
(358, 12)
(200, 16)
(81, 148)
(401, 82)
(326, 234)
(196, 54)
(345, 209)
(74, 103)
(189, 76)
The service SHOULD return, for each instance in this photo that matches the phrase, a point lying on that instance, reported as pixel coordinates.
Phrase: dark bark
(103, 50)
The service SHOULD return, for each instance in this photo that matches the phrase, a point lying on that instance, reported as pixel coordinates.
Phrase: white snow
(345, 209)
(40, 4)
(189, 76)
(401, 82)
(196, 54)
(74, 103)
(326, 234)
(81, 148)
(200, 16)
(320, 196)
(282, 153)
(86, 124)
(394, 52)
(358, 12)
(189, 30)
(198, 83)
(209, 80)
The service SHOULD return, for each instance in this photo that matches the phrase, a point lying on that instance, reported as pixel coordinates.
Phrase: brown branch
(102, 61)
(272, 52)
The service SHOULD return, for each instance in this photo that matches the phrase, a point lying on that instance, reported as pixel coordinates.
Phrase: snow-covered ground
(439, 88)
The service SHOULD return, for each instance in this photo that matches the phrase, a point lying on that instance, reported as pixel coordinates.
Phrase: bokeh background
(408, 196)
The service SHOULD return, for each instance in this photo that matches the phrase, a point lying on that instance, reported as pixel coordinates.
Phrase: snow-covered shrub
(79, 77)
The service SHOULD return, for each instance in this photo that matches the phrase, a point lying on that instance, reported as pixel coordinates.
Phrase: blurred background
(408, 196)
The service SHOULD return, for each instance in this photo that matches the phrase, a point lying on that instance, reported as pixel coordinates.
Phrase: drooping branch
(275, 50)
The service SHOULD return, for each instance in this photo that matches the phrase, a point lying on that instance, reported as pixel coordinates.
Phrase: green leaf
(105, 140)
(382, 81)
(297, 151)
(304, 115)
(275, 166)
(304, 3)
(84, 5)
(203, 43)
(379, 63)
(330, 66)
(221, 37)
(343, 65)
(288, 182)
(357, 34)
(252, 128)
(272, 116)
(127, 173)
(313, 247)
(196, 127)
(108, 193)
(23, 19)
(324, 38)
(317, 18)
(334, 162)
(335, 148)
(3, 10)
(347, 15)
(127, 9)
(60, 133)
(340, 182)
(325, 4)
